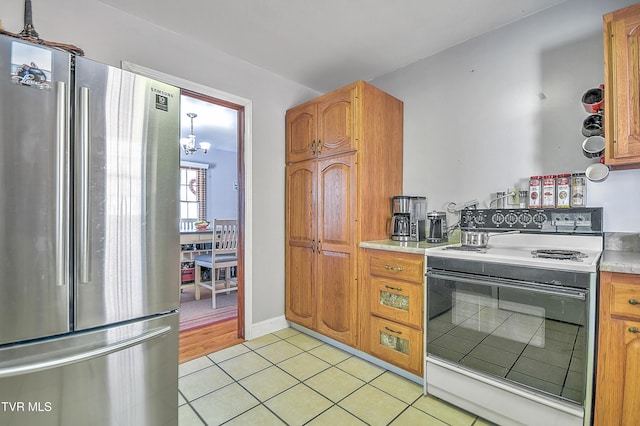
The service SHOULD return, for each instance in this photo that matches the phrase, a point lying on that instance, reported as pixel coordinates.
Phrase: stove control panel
(587, 220)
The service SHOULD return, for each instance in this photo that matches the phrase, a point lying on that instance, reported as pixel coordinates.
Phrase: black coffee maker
(408, 218)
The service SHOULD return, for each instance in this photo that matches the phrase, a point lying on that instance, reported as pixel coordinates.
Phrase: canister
(524, 197)
(578, 190)
(549, 191)
(535, 189)
(563, 191)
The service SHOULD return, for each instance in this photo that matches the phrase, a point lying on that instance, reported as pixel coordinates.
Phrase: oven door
(526, 334)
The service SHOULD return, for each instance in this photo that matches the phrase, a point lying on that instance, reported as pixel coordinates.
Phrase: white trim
(248, 186)
(194, 165)
(265, 327)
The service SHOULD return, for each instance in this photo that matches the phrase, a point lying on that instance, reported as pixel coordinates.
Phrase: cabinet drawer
(625, 299)
(397, 344)
(403, 267)
(397, 301)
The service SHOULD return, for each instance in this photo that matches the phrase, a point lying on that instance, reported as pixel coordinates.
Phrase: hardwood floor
(207, 339)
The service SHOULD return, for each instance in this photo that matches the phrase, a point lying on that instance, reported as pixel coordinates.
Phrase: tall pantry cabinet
(344, 164)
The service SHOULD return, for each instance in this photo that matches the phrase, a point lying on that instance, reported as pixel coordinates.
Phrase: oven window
(534, 339)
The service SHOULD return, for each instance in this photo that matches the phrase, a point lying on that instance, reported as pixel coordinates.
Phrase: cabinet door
(300, 242)
(631, 373)
(618, 392)
(301, 133)
(336, 122)
(337, 284)
(622, 86)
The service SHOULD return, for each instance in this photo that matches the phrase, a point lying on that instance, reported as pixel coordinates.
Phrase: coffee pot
(408, 218)
(437, 227)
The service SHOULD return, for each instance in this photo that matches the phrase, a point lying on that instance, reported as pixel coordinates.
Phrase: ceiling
(324, 44)
(215, 124)
(329, 43)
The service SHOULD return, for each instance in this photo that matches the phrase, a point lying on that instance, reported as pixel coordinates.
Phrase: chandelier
(189, 143)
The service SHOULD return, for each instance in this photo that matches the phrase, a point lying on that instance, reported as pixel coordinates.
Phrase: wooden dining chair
(224, 256)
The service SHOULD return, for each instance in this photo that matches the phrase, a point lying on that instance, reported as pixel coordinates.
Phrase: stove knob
(497, 218)
(539, 218)
(511, 218)
(480, 219)
(525, 218)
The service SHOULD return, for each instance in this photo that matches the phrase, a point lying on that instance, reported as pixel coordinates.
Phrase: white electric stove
(510, 328)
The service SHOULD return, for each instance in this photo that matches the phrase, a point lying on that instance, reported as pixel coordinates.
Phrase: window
(193, 193)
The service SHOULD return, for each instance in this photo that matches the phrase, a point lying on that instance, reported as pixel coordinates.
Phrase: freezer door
(34, 272)
(126, 182)
(125, 375)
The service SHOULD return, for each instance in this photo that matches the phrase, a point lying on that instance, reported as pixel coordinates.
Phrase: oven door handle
(507, 283)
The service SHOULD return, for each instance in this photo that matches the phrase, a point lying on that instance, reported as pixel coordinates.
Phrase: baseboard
(265, 327)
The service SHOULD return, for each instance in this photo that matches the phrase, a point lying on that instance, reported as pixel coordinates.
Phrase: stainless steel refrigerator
(89, 242)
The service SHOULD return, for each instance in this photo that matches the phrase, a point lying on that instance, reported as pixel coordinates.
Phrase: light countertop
(626, 262)
(408, 246)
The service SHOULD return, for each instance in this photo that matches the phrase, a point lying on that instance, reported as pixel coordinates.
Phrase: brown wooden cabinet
(618, 371)
(393, 307)
(344, 163)
(322, 127)
(321, 260)
(622, 87)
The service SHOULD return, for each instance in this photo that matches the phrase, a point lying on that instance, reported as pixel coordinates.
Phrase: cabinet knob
(393, 268)
(634, 330)
(633, 301)
(313, 147)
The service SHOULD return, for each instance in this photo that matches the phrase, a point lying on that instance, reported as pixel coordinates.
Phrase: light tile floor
(290, 378)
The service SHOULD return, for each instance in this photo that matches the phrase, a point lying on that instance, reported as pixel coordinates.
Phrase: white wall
(110, 36)
(485, 115)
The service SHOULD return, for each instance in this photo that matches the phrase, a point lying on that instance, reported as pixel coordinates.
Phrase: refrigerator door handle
(46, 362)
(62, 224)
(83, 116)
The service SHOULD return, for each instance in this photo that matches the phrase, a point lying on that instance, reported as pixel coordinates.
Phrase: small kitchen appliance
(408, 218)
(510, 326)
(437, 227)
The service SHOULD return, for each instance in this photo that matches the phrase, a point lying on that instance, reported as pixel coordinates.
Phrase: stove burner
(573, 255)
(467, 248)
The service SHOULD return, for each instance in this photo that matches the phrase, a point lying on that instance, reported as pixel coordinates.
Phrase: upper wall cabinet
(322, 127)
(622, 87)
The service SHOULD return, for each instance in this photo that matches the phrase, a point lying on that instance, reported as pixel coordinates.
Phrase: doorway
(212, 187)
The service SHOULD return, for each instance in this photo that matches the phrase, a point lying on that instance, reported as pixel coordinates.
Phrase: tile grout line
(301, 382)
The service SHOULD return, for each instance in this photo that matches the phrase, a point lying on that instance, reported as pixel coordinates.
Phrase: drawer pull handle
(392, 330)
(393, 288)
(634, 329)
(633, 301)
(393, 268)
